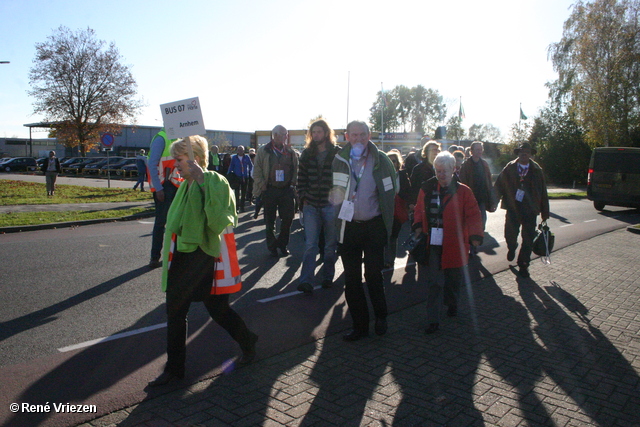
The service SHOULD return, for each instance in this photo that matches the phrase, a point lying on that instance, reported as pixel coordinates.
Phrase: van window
(615, 163)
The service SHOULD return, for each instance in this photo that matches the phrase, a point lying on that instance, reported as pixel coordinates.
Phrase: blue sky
(255, 64)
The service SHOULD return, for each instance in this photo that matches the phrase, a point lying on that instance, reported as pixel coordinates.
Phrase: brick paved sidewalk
(559, 349)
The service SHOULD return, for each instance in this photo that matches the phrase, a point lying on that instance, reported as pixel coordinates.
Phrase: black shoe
(326, 283)
(274, 253)
(165, 378)
(524, 272)
(355, 336)
(305, 287)
(250, 353)
(511, 255)
(284, 251)
(432, 329)
(155, 263)
(452, 311)
(381, 326)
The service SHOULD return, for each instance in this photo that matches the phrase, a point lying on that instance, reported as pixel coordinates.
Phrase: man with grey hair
(363, 193)
(275, 176)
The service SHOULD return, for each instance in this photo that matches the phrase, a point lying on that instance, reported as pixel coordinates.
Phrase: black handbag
(417, 248)
(544, 240)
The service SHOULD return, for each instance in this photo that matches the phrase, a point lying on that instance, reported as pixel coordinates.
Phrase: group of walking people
(353, 202)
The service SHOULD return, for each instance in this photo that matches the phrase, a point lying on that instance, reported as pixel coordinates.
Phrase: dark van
(614, 177)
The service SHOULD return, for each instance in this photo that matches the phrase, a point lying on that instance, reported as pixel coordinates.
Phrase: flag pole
(382, 116)
(348, 89)
(519, 120)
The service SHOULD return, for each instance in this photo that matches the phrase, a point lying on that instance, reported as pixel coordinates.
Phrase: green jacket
(198, 214)
(384, 174)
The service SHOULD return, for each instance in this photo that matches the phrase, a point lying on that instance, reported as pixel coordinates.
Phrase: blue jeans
(315, 219)
(162, 208)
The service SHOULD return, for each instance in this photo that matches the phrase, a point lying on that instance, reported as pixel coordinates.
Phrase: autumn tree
(81, 87)
(598, 65)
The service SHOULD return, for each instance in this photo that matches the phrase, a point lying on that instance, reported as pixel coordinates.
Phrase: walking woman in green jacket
(202, 209)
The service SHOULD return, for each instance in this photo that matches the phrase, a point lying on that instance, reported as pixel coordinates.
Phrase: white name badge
(279, 175)
(437, 236)
(347, 210)
(519, 195)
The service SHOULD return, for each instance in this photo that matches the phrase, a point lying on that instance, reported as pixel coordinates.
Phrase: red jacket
(461, 218)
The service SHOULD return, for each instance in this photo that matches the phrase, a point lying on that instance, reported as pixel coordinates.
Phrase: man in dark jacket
(51, 169)
(522, 188)
(275, 176)
(315, 180)
(475, 173)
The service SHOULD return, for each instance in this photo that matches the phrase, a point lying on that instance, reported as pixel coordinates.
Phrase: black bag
(417, 247)
(544, 240)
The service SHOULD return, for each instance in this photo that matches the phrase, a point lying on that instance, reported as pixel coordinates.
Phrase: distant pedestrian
(424, 171)
(240, 170)
(214, 159)
(275, 176)
(164, 180)
(51, 168)
(476, 173)
(401, 207)
(523, 190)
(203, 207)
(141, 166)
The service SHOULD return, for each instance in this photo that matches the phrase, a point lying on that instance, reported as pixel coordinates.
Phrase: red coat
(461, 218)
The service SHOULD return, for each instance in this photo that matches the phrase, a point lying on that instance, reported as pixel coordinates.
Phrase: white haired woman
(447, 212)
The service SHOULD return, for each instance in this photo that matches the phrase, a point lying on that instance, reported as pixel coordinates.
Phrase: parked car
(20, 164)
(614, 177)
(78, 167)
(130, 170)
(95, 167)
(117, 168)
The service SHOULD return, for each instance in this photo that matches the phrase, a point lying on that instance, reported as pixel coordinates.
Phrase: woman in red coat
(447, 212)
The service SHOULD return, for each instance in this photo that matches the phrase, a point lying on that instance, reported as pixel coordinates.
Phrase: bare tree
(81, 87)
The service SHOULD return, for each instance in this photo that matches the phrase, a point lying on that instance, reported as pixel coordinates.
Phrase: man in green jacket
(364, 189)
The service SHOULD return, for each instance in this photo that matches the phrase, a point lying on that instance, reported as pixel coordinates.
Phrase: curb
(53, 225)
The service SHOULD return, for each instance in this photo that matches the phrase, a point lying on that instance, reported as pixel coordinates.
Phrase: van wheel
(599, 206)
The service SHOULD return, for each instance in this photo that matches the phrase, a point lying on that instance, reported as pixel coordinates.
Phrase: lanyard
(357, 177)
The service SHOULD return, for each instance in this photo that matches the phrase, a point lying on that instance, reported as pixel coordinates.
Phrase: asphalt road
(67, 287)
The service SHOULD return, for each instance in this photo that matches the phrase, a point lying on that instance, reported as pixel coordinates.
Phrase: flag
(522, 116)
(461, 112)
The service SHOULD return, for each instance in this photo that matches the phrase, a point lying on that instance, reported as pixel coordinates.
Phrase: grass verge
(12, 219)
(578, 195)
(34, 193)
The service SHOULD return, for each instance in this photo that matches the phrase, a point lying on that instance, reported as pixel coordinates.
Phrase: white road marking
(111, 338)
(591, 220)
(566, 225)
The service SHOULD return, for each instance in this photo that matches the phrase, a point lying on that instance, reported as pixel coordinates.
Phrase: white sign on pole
(183, 118)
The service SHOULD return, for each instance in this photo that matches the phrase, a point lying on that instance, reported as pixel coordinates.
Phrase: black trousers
(190, 278)
(280, 201)
(364, 242)
(240, 190)
(514, 220)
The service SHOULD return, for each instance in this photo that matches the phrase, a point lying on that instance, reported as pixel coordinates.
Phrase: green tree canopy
(79, 84)
(415, 109)
(598, 65)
